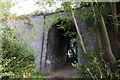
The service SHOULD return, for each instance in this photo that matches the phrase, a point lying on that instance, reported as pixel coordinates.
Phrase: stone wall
(46, 42)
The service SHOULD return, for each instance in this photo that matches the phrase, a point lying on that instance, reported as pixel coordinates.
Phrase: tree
(105, 33)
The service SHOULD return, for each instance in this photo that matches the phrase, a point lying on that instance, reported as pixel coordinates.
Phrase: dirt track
(67, 71)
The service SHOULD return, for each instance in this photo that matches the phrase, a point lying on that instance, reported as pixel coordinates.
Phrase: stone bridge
(47, 43)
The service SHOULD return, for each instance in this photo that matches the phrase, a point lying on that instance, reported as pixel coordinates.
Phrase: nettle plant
(17, 61)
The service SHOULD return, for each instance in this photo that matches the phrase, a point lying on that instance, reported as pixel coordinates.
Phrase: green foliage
(87, 15)
(98, 66)
(4, 10)
(67, 26)
(39, 75)
(90, 13)
(105, 9)
(66, 6)
(16, 59)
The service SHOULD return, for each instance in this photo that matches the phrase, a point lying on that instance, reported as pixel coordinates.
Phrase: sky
(22, 7)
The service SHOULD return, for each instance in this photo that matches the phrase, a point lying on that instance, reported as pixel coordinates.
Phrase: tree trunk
(115, 21)
(105, 33)
(78, 31)
(98, 33)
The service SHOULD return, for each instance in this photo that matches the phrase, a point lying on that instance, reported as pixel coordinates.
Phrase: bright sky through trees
(22, 7)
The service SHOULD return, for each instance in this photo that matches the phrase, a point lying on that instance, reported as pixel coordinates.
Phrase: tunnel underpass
(60, 46)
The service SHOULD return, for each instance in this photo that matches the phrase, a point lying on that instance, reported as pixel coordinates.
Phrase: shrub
(98, 66)
(17, 61)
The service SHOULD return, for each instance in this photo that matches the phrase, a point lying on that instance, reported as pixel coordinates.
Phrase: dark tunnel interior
(61, 47)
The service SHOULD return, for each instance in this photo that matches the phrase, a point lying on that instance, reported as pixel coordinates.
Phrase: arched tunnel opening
(62, 45)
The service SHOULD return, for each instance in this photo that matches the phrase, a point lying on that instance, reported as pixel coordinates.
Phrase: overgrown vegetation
(97, 64)
(97, 67)
(67, 26)
(100, 64)
(17, 61)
